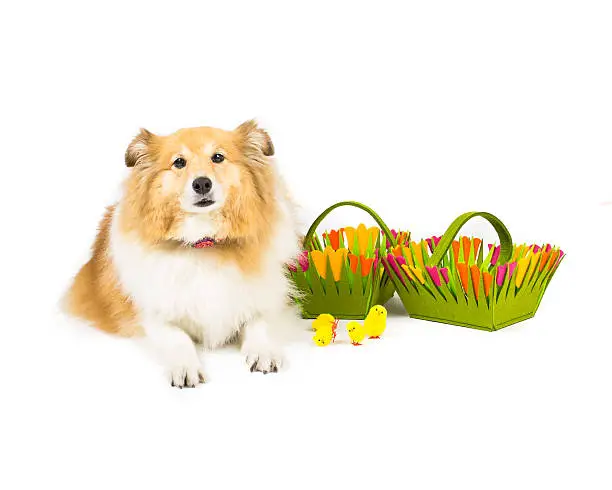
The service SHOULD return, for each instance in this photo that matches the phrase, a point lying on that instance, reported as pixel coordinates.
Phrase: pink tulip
(512, 267)
(444, 272)
(495, 256)
(386, 268)
(394, 266)
(303, 260)
(501, 273)
(435, 276)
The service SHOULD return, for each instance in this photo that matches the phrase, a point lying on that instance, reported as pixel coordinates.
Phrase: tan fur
(151, 210)
(95, 294)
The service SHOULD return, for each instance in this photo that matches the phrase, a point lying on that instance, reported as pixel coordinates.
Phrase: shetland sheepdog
(194, 253)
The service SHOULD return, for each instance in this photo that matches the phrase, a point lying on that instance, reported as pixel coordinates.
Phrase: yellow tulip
(518, 252)
(419, 273)
(407, 271)
(418, 253)
(336, 258)
(349, 231)
(534, 260)
(408, 255)
(318, 259)
(522, 269)
(363, 236)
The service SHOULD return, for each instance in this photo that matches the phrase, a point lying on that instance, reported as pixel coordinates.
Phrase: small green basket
(346, 289)
(455, 285)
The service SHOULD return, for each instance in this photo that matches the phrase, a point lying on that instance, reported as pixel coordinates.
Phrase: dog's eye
(179, 162)
(217, 158)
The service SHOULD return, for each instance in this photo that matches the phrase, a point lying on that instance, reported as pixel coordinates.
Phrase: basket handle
(370, 211)
(447, 239)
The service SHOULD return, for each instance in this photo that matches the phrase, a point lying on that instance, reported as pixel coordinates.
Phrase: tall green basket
(456, 285)
(341, 278)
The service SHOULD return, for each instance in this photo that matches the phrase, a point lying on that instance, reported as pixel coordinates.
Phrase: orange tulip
(477, 242)
(467, 244)
(463, 275)
(401, 236)
(353, 261)
(488, 279)
(553, 259)
(366, 265)
(456, 251)
(475, 272)
(545, 256)
(334, 239)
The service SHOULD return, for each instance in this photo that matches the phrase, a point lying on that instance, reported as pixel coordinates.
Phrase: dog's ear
(254, 138)
(139, 148)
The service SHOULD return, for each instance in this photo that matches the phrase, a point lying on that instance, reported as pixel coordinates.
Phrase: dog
(195, 251)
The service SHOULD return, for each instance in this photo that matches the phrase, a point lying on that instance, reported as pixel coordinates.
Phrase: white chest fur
(195, 291)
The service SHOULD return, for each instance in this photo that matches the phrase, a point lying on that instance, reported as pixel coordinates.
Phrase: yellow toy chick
(325, 323)
(324, 319)
(323, 337)
(376, 322)
(356, 332)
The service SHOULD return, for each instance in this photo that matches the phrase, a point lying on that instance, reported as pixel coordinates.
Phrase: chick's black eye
(217, 158)
(179, 162)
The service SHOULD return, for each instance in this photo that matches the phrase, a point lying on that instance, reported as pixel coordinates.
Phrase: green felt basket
(341, 278)
(448, 281)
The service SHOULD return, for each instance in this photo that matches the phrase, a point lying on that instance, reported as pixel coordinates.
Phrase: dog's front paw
(176, 352)
(185, 369)
(262, 352)
(264, 362)
(186, 376)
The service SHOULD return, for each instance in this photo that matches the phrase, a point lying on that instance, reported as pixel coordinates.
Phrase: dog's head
(200, 182)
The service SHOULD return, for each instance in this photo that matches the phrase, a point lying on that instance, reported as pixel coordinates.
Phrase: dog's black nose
(202, 185)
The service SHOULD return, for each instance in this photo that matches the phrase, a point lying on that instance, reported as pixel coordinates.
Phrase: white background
(423, 110)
